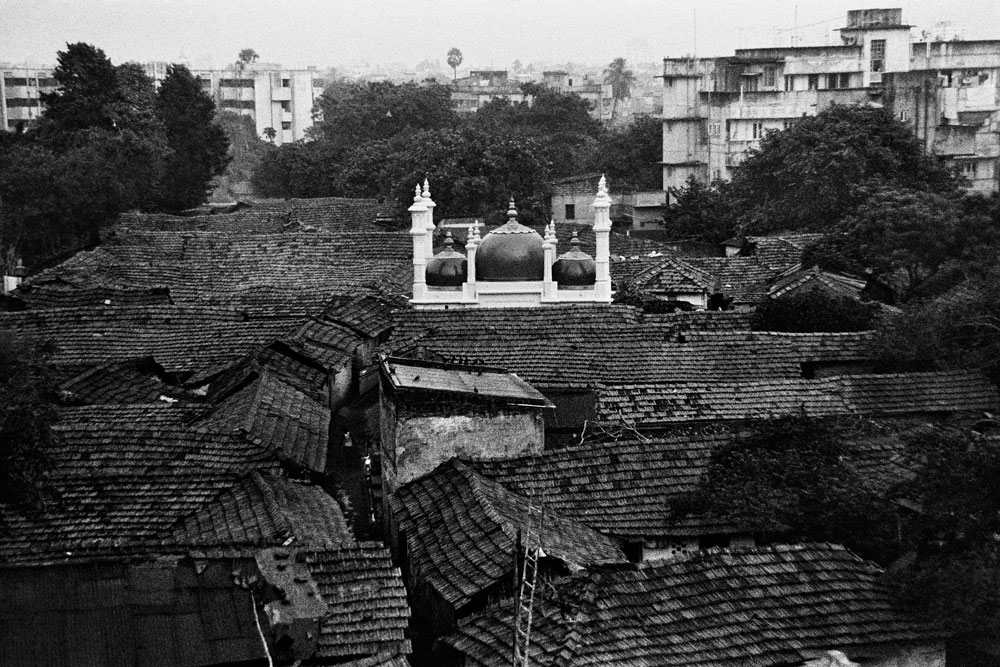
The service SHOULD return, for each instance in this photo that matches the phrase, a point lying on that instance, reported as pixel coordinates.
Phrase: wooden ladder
(529, 579)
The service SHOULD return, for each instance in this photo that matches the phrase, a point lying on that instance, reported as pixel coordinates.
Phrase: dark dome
(447, 268)
(575, 268)
(510, 252)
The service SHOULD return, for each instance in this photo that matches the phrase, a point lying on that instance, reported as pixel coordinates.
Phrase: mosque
(511, 266)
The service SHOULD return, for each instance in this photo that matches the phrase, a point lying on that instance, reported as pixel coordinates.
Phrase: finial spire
(448, 241)
(511, 210)
(416, 196)
(602, 186)
(427, 189)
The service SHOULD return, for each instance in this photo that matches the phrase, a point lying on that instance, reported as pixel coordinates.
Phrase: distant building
(21, 88)
(482, 87)
(277, 98)
(716, 109)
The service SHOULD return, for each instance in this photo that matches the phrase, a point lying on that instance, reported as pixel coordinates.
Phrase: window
(769, 77)
(286, 125)
(813, 81)
(236, 83)
(788, 122)
(571, 211)
(571, 83)
(758, 130)
(845, 80)
(878, 55)
(237, 104)
(319, 83)
(717, 175)
(286, 83)
(789, 83)
(903, 116)
(967, 169)
(286, 105)
(16, 81)
(714, 129)
(832, 80)
(750, 84)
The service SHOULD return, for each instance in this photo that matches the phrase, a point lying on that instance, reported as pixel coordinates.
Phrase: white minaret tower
(429, 203)
(602, 230)
(419, 233)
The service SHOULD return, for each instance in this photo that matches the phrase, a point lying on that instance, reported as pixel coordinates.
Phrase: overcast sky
(490, 33)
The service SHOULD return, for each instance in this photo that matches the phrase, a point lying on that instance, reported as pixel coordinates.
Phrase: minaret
(418, 231)
(602, 230)
(471, 245)
(429, 203)
(549, 248)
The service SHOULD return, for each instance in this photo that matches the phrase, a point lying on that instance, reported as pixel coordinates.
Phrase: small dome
(510, 253)
(575, 268)
(448, 268)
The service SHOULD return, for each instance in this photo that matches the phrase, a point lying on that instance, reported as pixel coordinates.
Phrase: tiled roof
(461, 531)
(797, 277)
(779, 252)
(270, 216)
(369, 315)
(949, 391)
(581, 345)
(368, 613)
(624, 488)
(266, 275)
(132, 381)
(120, 477)
(744, 278)
(276, 415)
(180, 338)
(764, 607)
(674, 275)
(55, 293)
(265, 509)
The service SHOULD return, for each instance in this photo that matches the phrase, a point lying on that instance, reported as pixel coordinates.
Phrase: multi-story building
(21, 88)
(483, 86)
(716, 109)
(282, 99)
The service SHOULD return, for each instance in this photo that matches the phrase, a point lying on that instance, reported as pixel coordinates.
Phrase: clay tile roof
(54, 293)
(652, 404)
(455, 379)
(798, 277)
(120, 476)
(133, 381)
(180, 338)
(579, 345)
(744, 278)
(781, 251)
(368, 613)
(276, 415)
(265, 275)
(624, 488)
(768, 606)
(369, 315)
(673, 275)
(265, 509)
(461, 531)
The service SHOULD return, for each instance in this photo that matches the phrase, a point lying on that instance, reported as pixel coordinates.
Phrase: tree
(814, 311)
(199, 145)
(699, 212)
(902, 236)
(814, 174)
(621, 79)
(792, 477)
(246, 57)
(86, 94)
(630, 156)
(270, 133)
(26, 417)
(454, 60)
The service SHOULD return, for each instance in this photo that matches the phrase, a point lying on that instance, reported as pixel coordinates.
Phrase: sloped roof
(674, 275)
(456, 379)
(369, 315)
(461, 531)
(180, 338)
(744, 278)
(265, 509)
(797, 277)
(120, 477)
(266, 275)
(623, 488)
(368, 611)
(577, 345)
(57, 293)
(780, 251)
(766, 606)
(132, 381)
(276, 415)
(650, 404)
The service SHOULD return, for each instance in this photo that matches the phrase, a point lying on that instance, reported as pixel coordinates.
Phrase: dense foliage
(379, 139)
(107, 142)
(814, 311)
(26, 416)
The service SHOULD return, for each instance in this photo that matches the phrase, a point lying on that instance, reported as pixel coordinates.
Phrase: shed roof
(476, 381)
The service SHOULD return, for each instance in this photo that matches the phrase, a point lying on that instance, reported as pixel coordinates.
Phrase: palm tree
(621, 81)
(454, 60)
(245, 57)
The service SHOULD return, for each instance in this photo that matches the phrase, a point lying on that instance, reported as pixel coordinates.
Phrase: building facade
(717, 109)
(282, 99)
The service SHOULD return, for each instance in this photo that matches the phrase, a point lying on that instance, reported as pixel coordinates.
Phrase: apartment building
(282, 99)
(716, 109)
(21, 88)
(483, 86)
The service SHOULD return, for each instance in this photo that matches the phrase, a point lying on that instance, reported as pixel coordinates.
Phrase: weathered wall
(926, 655)
(425, 441)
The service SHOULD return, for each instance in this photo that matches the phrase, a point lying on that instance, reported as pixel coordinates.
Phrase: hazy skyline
(297, 33)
